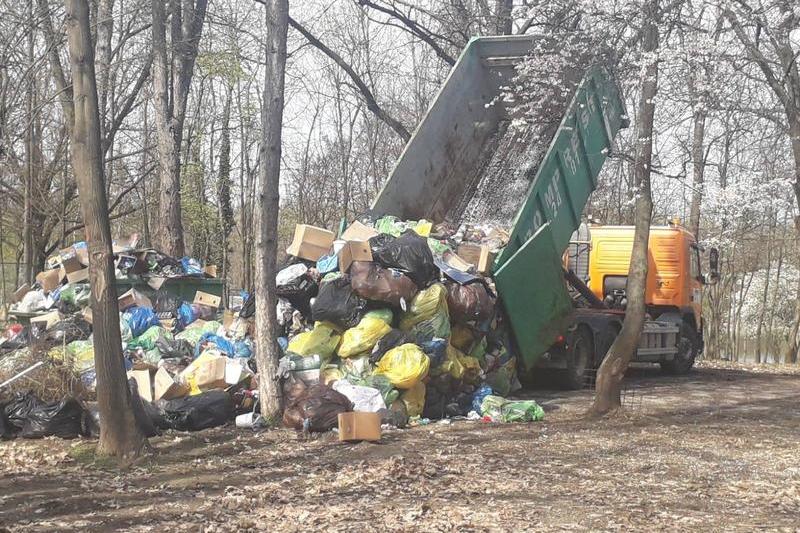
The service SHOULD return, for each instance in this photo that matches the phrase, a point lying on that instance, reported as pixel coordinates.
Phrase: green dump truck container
(452, 151)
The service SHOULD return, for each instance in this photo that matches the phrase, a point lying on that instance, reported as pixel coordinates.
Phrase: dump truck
(561, 281)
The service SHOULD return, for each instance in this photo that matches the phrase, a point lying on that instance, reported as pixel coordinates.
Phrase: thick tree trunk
(794, 133)
(267, 204)
(612, 370)
(119, 435)
(169, 234)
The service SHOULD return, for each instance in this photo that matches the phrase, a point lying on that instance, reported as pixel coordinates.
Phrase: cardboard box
(207, 372)
(310, 242)
(454, 261)
(359, 425)
(358, 232)
(87, 314)
(75, 263)
(133, 297)
(125, 244)
(48, 319)
(209, 300)
(20, 293)
(235, 373)
(478, 255)
(143, 383)
(210, 271)
(354, 251)
(50, 279)
(237, 327)
(166, 388)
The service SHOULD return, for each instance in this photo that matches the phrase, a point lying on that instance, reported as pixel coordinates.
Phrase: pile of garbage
(394, 318)
(177, 353)
(399, 318)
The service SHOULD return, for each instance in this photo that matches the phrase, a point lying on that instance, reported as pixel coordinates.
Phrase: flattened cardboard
(354, 251)
(166, 388)
(87, 314)
(78, 275)
(20, 293)
(310, 242)
(48, 319)
(358, 232)
(209, 300)
(133, 297)
(155, 283)
(359, 425)
(143, 383)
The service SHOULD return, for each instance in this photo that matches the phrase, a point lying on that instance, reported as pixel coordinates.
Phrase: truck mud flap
(532, 288)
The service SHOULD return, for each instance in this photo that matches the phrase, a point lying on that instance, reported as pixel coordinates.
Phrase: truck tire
(688, 347)
(579, 360)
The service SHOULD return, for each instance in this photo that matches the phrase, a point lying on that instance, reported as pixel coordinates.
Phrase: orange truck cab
(674, 280)
(596, 268)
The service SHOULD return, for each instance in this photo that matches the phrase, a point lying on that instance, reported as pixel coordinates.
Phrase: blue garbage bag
(186, 315)
(191, 266)
(139, 319)
(329, 263)
(242, 348)
(436, 350)
(478, 396)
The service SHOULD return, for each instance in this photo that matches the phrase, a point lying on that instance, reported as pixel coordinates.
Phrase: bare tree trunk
(505, 22)
(612, 370)
(267, 204)
(698, 168)
(27, 224)
(765, 293)
(119, 435)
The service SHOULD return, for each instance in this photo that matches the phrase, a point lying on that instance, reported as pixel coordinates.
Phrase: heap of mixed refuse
(396, 318)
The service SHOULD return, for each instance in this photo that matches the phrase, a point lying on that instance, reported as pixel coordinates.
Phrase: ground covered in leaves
(715, 450)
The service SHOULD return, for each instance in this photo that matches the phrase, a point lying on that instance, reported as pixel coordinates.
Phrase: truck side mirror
(713, 264)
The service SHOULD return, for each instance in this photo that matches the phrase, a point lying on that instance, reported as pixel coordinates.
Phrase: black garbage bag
(17, 410)
(5, 427)
(316, 409)
(439, 392)
(21, 340)
(164, 302)
(60, 419)
(338, 304)
(249, 307)
(144, 412)
(73, 328)
(193, 413)
(408, 253)
(391, 340)
(171, 348)
(90, 423)
(295, 284)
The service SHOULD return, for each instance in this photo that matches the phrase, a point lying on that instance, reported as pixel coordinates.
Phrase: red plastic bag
(373, 282)
(469, 302)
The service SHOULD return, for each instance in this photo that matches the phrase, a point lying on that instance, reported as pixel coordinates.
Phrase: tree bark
(119, 435)
(612, 370)
(698, 168)
(186, 27)
(505, 22)
(267, 204)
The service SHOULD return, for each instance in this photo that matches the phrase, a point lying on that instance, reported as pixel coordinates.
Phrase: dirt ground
(714, 451)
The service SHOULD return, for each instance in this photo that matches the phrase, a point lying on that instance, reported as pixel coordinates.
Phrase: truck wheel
(687, 352)
(579, 360)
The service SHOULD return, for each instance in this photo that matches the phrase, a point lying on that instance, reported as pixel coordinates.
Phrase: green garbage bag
(147, 340)
(522, 411)
(75, 294)
(196, 330)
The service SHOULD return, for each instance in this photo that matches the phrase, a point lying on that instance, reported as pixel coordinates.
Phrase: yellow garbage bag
(462, 337)
(452, 364)
(414, 398)
(405, 365)
(472, 368)
(362, 338)
(425, 305)
(330, 373)
(77, 355)
(321, 341)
